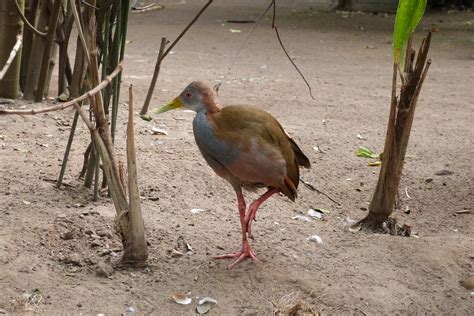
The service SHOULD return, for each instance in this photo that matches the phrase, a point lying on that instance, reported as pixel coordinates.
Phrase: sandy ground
(58, 241)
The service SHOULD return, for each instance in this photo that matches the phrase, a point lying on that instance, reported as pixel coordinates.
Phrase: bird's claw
(244, 253)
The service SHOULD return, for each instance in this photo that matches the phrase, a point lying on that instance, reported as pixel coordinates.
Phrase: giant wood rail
(247, 147)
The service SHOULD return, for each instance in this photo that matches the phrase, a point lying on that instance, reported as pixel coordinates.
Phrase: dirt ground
(64, 245)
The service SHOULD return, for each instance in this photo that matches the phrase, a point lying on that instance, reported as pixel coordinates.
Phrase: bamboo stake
(135, 247)
(68, 104)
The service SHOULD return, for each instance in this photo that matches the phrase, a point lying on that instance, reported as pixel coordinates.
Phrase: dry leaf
(182, 298)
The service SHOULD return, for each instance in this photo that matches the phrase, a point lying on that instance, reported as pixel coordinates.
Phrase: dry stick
(274, 26)
(152, 84)
(79, 30)
(15, 49)
(155, 77)
(27, 23)
(135, 247)
(68, 104)
(53, 23)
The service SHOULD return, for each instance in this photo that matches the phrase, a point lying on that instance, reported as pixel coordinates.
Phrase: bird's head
(197, 97)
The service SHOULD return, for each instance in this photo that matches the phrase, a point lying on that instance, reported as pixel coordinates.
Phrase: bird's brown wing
(266, 153)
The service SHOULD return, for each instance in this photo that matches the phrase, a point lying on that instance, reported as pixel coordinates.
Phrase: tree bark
(10, 26)
(402, 111)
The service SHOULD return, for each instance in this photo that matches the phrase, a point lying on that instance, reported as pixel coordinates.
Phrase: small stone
(95, 236)
(96, 243)
(104, 270)
(68, 235)
(74, 259)
(104, 233)
(468, 283)
(89, 232)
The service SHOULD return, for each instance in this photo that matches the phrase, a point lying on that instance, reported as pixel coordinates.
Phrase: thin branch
(15, 49)
(25, 20)
(80, 31)
(68, 104)
(274, 26)
(187, 28)
(144, 109)
(150, 7)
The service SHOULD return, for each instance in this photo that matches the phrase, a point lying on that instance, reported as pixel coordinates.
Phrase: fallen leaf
(374, 163)
(355, 228)
(364, 152)
(158, 131)
(182, 298)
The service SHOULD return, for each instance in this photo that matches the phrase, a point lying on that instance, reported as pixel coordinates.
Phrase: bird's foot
(244, 253)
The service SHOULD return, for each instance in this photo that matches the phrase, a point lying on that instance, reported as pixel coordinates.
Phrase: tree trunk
(37, 49)
(10, 26)
(400, 121)
(30, 8)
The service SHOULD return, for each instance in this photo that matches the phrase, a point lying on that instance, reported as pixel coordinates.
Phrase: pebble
(74, 259)
(104, 233)
(68, 235)
(468, 283)
(96, 243)
(104, 270)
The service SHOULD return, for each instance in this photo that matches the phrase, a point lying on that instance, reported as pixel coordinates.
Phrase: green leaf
(366, 153)
(409, 13)
(145, 117)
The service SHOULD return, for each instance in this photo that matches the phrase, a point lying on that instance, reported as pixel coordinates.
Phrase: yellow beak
(176, 103)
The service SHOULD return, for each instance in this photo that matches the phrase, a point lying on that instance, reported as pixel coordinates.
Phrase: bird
(247, 147)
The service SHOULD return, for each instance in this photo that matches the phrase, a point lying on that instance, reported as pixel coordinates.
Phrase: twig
(68, 149)
(313, 188)
(68, 104)
(158, 62)
(274, 26)
(25, 20)
(151, 7)
(16, 47)
(155, 77)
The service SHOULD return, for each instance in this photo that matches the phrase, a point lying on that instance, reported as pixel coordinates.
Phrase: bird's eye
(188, 94)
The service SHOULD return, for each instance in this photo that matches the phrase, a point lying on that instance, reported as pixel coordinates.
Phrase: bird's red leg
(246, 251)
(250, 216)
